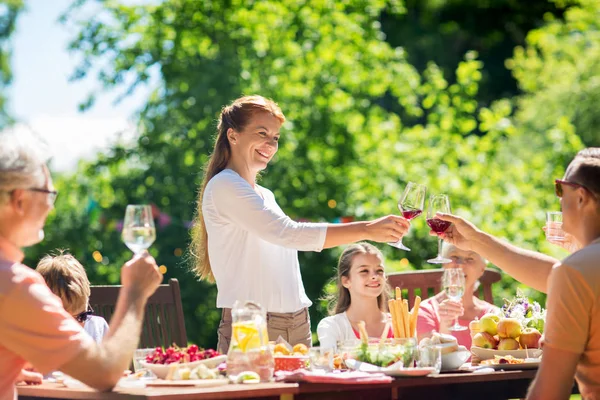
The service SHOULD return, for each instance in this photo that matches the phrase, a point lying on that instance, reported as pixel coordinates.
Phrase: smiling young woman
(242, 239)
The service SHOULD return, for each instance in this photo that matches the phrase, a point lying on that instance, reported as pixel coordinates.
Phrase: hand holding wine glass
(138, 228)
(453, 282)
(438, 203)
(411, 204)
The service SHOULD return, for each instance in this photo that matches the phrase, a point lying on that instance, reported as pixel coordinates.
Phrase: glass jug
(249, 347)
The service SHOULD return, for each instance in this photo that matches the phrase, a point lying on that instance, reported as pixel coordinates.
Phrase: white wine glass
(138, 227)
(453, 282)
(438, 203)
(411, 205)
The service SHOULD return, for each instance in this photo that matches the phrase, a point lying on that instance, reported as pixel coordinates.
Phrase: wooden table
(497, 385)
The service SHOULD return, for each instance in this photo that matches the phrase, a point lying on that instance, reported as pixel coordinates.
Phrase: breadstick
(406, 318)
(398, 293)
(414, 316)
(392, 307)
(400, 318)
(364, 336)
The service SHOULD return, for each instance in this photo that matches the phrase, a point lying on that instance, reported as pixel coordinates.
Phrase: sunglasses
(558, 186)
(82, 317)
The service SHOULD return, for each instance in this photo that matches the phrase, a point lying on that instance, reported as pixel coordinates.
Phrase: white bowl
(454, 360)
(162, 370)
(486, 354)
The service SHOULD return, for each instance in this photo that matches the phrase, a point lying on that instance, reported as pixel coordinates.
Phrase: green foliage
(9, 10)
(559, 71)
(361, 123)
(443, 30)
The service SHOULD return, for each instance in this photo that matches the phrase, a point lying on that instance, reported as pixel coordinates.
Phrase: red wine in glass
(410, 214)
(411, 205)
(437, 225)
(438, 203)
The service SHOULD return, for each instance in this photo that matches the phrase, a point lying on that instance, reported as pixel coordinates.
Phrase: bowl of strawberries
(164, 362)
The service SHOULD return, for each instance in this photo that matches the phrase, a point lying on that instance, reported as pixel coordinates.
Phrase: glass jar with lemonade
(249, 348)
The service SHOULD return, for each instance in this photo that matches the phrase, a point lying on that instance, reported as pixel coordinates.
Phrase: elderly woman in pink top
(438, 312)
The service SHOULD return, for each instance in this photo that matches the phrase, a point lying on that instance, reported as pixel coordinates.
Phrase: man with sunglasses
(572, 331)
(34, 326)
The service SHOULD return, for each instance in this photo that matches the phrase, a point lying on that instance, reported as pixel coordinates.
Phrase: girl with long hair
(362, 295)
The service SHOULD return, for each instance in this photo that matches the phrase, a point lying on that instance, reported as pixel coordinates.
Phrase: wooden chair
(163, 319)
(429, 282)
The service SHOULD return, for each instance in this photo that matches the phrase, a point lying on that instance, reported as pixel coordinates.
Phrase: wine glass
(438, 203)
(138, 228)
(453, 282)
(411, 205)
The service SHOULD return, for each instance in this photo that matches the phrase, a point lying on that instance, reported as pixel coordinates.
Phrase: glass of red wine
(438, 203)
(411, 205)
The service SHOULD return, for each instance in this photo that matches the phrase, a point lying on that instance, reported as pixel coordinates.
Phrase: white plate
(486, 354)
(188, 383)
(422, 371)
(161, 370)
(507, 367)
(392, 370)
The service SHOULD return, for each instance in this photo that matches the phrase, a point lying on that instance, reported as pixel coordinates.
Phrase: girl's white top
(334, 329)
(253, 246)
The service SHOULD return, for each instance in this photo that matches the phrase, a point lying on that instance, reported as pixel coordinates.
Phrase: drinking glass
(554, 222)
(453, 282)
(430, 356)
(438, 203)
(140, 355)
(321, 359)
(411, 205)
(138, 228)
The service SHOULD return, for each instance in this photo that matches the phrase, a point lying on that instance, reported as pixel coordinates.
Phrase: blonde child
(66, 278)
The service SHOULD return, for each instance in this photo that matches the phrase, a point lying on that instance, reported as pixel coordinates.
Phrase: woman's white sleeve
(235, 200)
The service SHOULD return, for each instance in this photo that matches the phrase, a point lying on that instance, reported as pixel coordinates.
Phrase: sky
(42, 97)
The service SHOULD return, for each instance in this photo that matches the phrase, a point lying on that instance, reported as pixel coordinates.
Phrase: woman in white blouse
(361, 296)
(245, 243)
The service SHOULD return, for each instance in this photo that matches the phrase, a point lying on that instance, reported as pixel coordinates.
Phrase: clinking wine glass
(411, 205)
(453, 282)
(438, 203)
(138, 228)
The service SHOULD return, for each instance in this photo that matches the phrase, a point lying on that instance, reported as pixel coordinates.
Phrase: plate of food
(510, 362)
(419, 371)
(165, 363)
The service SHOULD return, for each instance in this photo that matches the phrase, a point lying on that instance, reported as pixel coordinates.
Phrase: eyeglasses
(52, 194)
(558, 189)
(82, 317)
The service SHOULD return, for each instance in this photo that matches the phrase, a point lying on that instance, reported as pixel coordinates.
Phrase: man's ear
(17, 201)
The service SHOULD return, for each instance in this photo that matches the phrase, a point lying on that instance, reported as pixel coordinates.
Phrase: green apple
(489, 324)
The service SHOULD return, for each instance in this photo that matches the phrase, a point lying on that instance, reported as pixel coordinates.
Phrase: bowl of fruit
(289, 358)
(164, 363)
(503, 336)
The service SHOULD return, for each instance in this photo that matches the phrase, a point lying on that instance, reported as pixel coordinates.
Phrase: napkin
(349, 377)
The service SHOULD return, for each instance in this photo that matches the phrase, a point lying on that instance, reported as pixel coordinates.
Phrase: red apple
(530, 338)
(508, 344)
(484, 340)
(509, 328)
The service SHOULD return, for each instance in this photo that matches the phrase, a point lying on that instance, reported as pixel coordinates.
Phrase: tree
(344, 152)
(9, 10)
(559, 69)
